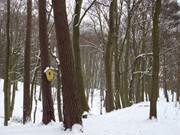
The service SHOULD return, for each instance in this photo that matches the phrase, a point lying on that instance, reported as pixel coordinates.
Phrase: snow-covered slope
(129, 121)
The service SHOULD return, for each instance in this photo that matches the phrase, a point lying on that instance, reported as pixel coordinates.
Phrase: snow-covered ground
(129, 121)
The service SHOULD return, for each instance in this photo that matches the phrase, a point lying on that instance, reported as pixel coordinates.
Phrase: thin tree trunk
(40, 94)
(27, 59)
(155, 67)
(117, 59)
(76, 36)
(164, 80)
(126, 63)
(6, 80)
(35, 102)
(178, 77)
(13, 97)
(144, 16)
(33, 83)
(59, 97)
(109, 101)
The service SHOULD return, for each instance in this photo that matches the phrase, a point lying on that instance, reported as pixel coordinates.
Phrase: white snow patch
(47, 68)
(129, 121)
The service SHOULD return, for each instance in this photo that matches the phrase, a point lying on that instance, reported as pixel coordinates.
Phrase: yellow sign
(50, 74)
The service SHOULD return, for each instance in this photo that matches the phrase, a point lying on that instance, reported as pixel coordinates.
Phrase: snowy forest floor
(129, 121)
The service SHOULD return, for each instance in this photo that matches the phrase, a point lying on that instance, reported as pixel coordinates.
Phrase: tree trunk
(77, 57)
(35, 102)
(109, 99)
(13, 98)
(48, 110)
(178, 77)
(126, 61)
(117, 59)
(33, 82)
(59, 96)
(27, 59)
(6, 80)
(144, 16)
(71, 105)
(164, 80)
(155, 67)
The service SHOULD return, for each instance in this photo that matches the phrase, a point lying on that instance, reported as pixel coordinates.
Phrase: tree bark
(143, 63)
(71, 107)
(48, 110)
(76, 36)
(117, 59)
(178, 77)
(155, 66)
(109, 99)
(164, 79)
(27, 63)
(13, 98)
(126, 61)
(59, 96)
(6, 80)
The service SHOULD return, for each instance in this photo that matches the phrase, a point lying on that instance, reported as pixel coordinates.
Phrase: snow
(129, 121)
(144, 55)
(47, 68)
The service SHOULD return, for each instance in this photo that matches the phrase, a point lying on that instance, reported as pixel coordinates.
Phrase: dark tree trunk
(33, 82)
(109, 101)
(71, 107)
(155, 67)
(178, 77)
(27, 52)
(117, 60)
(6, 80)
(164, 80)
(48, 110)
(13, 98)
(76, 36)
(35, 102)
(59, 96)
(144, 16)
(126, 61)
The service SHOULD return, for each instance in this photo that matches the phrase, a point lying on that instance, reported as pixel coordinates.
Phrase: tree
(6, 80)
(48, 110)
(71, 107)
(27, 52)
(59, 96)
(117, 55)
(76, 36)
(178, 76)
(126, 56)
(169, 20)
(109, 101)
(155, 66)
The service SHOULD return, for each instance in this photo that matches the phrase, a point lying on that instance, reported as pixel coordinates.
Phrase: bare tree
(109, 101)
(48, 109)
(155, 66)
(6, 80)
(27, 52)
(76, 36)
(71, 104)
